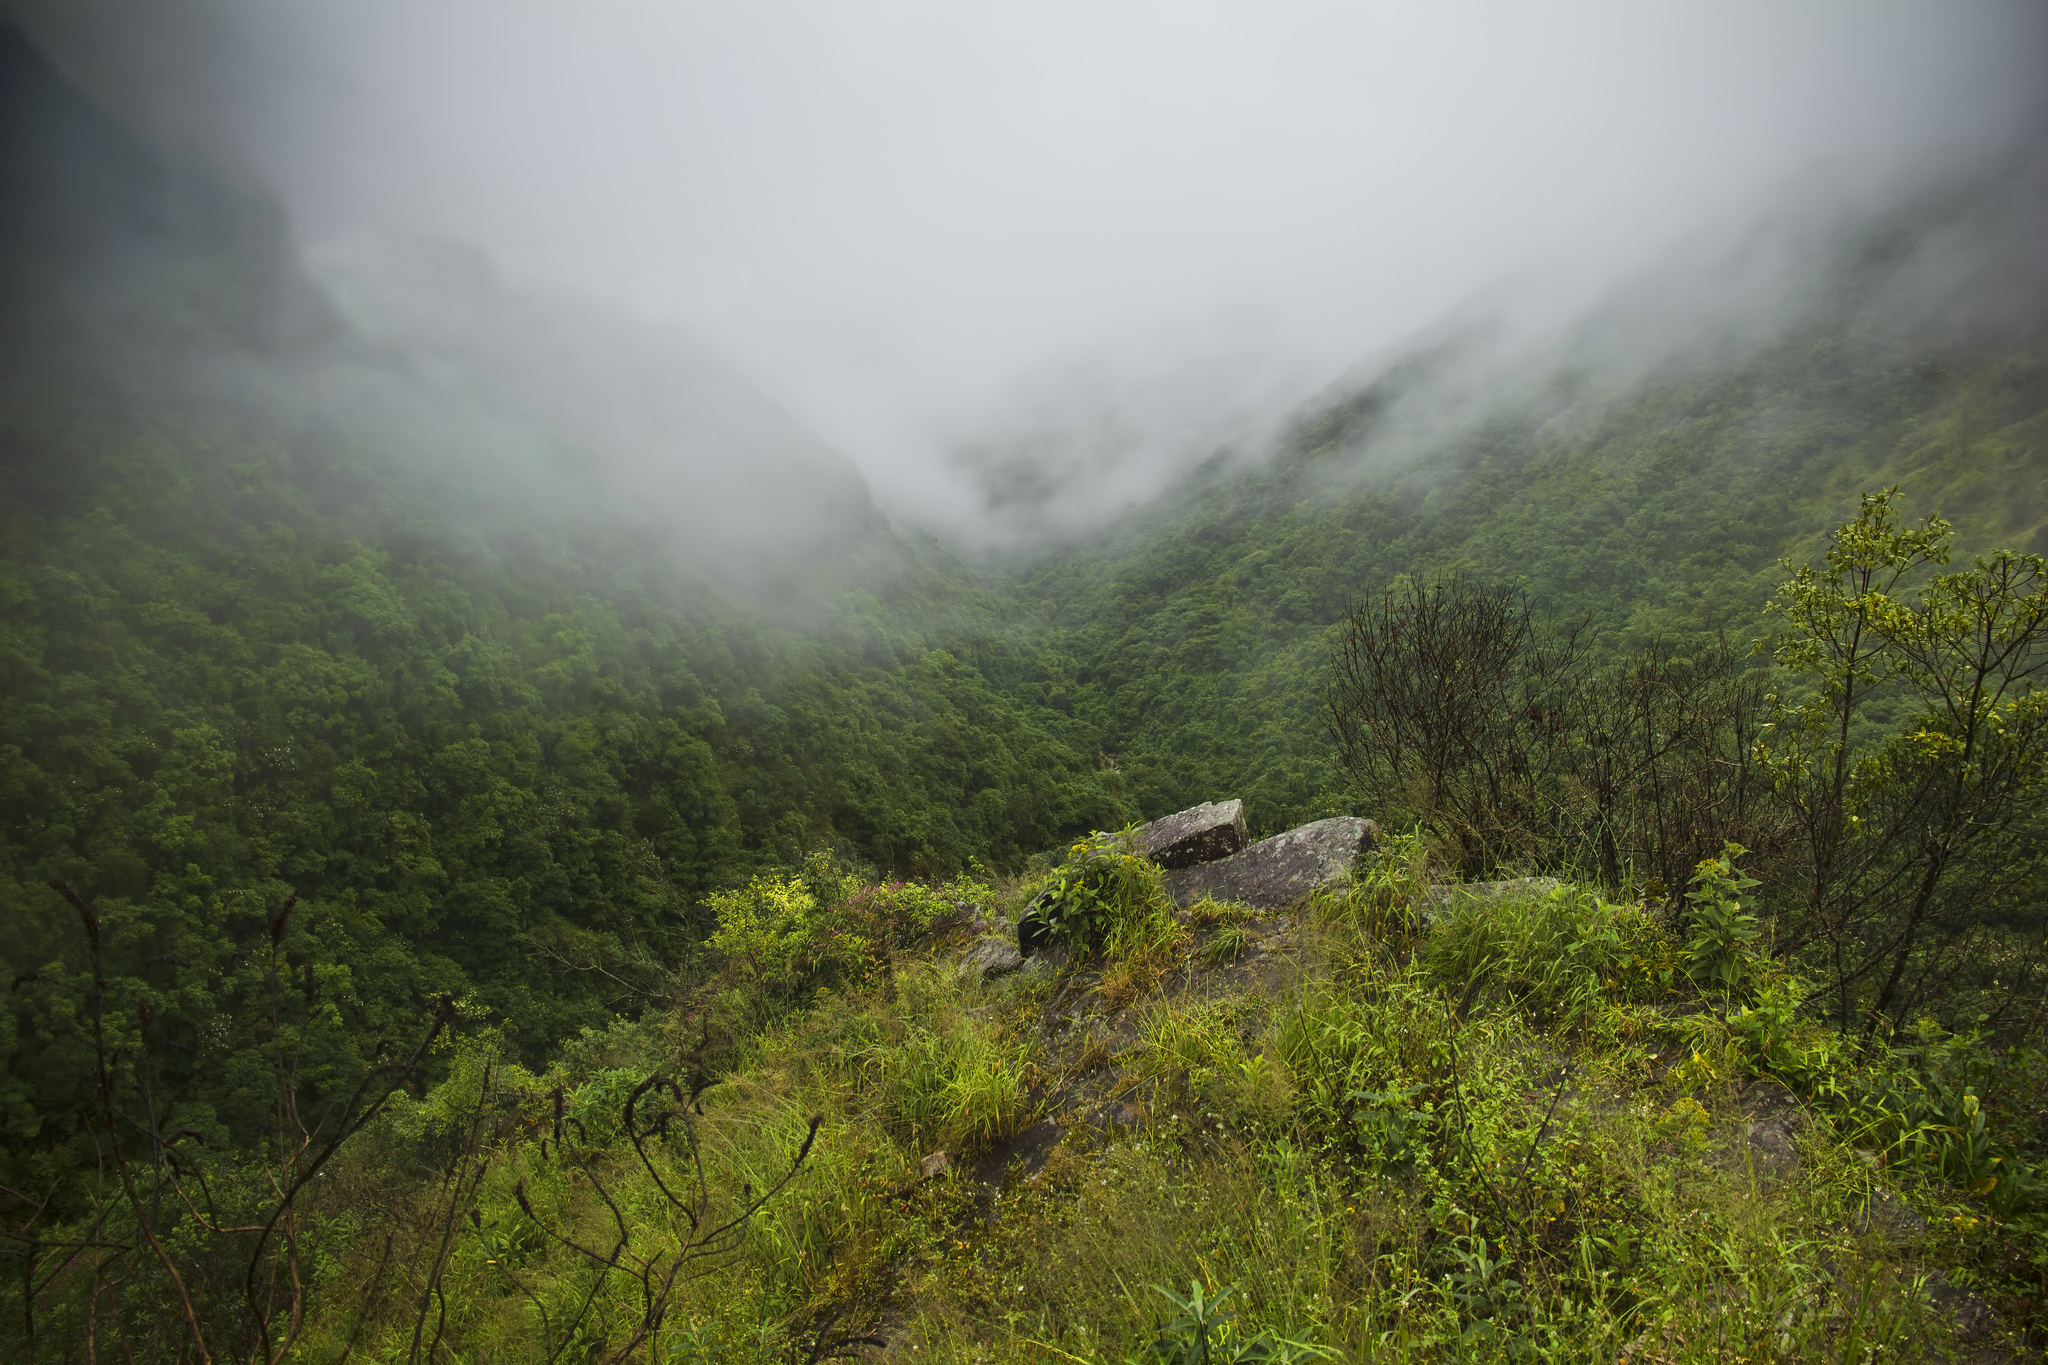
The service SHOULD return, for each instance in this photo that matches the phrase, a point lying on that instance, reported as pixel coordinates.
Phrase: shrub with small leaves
(777, 945)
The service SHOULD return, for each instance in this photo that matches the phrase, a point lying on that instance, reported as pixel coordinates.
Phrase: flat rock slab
(1890, 1217)
(1200, 834)
(1772, 1147)
(1281, 870)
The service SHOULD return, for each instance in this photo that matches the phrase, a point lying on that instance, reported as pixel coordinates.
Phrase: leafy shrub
(1686, 1123)
(1768, 1037)
(1101, 891)
(777, 946)
(896, 913)
(781, 937)
(1774, 1038)
(1369, 1067)
(1924, 1104)
(1722, 944)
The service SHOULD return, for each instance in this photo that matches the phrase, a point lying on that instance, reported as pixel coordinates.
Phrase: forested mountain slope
(1661, 509)
(755, 502)
(288, 613)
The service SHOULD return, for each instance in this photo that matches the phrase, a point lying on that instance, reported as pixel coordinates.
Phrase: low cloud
(1025, 264)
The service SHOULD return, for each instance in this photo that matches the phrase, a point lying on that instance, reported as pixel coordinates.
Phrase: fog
(1024, 264)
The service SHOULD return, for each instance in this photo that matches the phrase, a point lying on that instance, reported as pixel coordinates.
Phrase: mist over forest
(987, 255)
(614, 620)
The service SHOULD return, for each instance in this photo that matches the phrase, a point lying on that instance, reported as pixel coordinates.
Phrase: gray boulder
(1773, 1133)
(993, 957)
(1772, 1147)
(1281, 870)
(1200, 834)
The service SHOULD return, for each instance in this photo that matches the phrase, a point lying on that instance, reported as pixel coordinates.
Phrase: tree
(1914, 849)
(1662, 767)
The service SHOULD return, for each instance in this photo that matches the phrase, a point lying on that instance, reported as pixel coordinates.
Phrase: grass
(1495, 1128)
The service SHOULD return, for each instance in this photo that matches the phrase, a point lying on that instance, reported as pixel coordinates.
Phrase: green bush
(1558, 953)
(777, 944)
(1371, 1066)
(1923, 1103)
(1101, 891)
(1201, 1330)
(1722, 944)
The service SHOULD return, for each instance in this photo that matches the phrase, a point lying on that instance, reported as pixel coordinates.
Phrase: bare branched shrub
(1662, 757)
(1454, 703)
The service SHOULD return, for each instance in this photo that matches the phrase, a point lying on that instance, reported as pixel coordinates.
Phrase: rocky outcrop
(1200, 834)
(993, 957)
(1281, 870)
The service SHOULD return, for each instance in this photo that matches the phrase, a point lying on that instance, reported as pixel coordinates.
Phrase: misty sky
(948, 230)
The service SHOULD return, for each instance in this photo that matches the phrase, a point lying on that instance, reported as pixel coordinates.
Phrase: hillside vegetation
(1201, 638)
(1399, 1122)
(435, 915)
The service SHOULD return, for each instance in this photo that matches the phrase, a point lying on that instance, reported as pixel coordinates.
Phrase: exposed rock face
(1200, 834)
(1973, 1317)
(1027, 1151)
(1771, 1147)
(994, 957)
(1773, 1134)
(1281, 870)
(1891, 1217)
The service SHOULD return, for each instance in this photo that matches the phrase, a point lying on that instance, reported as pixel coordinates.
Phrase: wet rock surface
(1199, 834)
(1889, 1217)
(993, 957)
(1281, 870)
(1771, 1148)
(1973, 1318)
(1026, 1153)
(1773, 1131)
